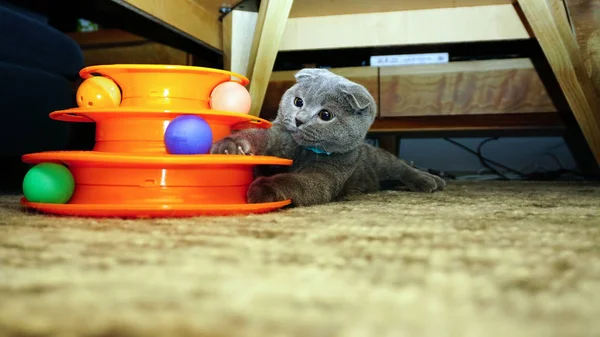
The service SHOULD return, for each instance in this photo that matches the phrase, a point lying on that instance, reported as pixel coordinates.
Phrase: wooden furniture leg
(549, 22)
(270, 25)
(584, 16)
(389, 142)
(238, 32)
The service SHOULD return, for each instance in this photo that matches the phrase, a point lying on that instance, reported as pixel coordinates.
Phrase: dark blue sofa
(38, 66)
(38, 69)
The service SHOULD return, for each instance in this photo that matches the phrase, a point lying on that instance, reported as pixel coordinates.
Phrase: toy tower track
(129, 172)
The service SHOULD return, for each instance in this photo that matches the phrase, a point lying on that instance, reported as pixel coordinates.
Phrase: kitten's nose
(298, 122)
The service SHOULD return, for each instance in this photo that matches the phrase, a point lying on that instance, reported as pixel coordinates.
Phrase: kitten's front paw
(232, 145)
(425, 182)
(264, 189)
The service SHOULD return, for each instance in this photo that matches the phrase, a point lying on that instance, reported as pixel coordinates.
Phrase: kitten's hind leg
(392, 168)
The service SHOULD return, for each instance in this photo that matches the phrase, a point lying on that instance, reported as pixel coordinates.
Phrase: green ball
(48, 183)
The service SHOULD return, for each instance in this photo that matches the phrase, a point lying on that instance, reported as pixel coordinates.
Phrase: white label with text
(409, 59)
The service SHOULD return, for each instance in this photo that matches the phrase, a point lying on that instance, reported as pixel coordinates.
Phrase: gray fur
(351, 167)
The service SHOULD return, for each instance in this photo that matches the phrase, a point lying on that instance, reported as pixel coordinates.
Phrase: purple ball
(188, 134)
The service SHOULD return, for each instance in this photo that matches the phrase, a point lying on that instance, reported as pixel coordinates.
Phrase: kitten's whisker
(309, 137)
(309, 132)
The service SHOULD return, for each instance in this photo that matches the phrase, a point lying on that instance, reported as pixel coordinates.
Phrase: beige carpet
(481, 259)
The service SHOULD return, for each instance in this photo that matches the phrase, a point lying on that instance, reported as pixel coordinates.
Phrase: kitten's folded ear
(309, 73)
(358, 96)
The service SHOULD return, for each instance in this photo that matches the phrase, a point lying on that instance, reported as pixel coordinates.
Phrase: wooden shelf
(406, 27)
(508, 86)
(110, 46)
(213, 6)
(307, 8)
(105, 37)
(194, 18)
(526, 122)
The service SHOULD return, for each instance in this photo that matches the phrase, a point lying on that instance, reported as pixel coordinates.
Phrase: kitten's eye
(298, 102)
(325, 115)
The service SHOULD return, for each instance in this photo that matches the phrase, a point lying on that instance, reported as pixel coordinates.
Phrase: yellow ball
(98, 92)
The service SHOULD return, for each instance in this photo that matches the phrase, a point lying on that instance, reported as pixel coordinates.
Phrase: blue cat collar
(317, 150)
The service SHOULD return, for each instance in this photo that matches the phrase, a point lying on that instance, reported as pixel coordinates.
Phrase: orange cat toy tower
(130, 172)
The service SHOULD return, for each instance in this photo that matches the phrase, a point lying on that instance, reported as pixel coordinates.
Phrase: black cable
(558, 162)
(484, 163)
(481, 157)
(562, 167)
(533, 176)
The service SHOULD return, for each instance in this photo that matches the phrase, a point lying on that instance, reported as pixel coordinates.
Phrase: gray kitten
(321, 125)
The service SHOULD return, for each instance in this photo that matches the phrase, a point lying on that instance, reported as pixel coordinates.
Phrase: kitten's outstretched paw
(230, 145)
(425, 182)
(264, 189)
